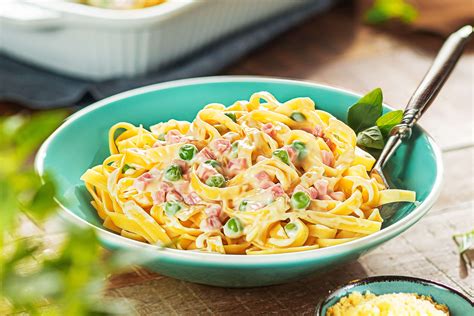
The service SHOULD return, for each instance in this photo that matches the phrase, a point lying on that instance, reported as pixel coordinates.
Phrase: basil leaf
(387, 121)
(464, 241)
(370, 138)
(365, 112)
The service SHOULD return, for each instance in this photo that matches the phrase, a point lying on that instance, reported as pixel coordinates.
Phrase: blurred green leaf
(384, 10)
(464, 241)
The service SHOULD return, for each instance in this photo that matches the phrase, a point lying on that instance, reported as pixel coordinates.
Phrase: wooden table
(337, 50)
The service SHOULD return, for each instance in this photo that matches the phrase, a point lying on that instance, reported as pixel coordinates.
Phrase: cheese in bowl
(256, 177)
(368, 304)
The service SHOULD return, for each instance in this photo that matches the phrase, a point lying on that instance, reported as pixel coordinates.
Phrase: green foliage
(385, 10)
(365, 112)
(388, 121)
(370, 138)
(366, 119)
(38, 280)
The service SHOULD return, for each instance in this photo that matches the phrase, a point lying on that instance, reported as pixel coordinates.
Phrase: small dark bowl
(458, 303)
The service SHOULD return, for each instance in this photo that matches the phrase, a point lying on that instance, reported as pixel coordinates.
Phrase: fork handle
(427, 91)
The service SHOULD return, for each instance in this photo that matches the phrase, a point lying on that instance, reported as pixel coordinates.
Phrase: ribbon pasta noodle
(257, 177)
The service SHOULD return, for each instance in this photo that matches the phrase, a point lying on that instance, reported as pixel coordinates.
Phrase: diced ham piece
(338, 195)
(327, 158)
(204, 171)
(322, 187)
(142, 181)
(264, 180)
(330, 144)
(205, 154)
(316, 131)
(213, 210)
(165, 187)
(173, 196)
(269, 129)
(182, 164)
(292, 154)
(192, 198)
(313, 193)
(235, 166)
(158, 197)
(174, 136)
(210, 224)
(277, 191)
(220, 145)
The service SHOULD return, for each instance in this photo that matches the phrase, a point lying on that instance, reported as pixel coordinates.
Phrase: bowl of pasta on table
(235, 181)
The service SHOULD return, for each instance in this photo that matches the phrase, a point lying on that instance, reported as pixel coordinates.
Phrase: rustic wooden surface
(337, 50)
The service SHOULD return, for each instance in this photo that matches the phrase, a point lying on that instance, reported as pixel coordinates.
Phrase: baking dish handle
(28, 16)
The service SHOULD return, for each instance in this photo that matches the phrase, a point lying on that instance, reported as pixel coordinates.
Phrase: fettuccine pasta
(257, 177)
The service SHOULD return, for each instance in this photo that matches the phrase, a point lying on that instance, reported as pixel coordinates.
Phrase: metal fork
(423, 96)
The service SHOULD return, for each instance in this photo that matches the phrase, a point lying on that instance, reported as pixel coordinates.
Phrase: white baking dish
(95, 43)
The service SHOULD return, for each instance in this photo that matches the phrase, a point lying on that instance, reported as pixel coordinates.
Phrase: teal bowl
(458, 303)
(81, 142)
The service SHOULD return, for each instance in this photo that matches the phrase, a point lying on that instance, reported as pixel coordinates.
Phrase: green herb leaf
(370, 138)
(365, 112)
(231, 116)
(243, 205)
(212, 162)
(282, 155)
(126, 167)
(464, 241)
(387, 121)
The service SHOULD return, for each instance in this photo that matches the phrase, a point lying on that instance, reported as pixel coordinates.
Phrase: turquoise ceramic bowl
(81, 142)
(458, 303)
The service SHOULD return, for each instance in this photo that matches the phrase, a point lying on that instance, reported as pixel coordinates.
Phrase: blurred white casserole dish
(95, 43)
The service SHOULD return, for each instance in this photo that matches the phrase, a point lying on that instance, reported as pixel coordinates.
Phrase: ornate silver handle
(426, 91)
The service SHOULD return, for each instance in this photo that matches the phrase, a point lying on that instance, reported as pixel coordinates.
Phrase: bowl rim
(385, 278)
(202, 258)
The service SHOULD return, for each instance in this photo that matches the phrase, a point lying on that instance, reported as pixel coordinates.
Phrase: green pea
(231, 116)
(187, 152)
(126, 167)
(300, 200)
(161, 137)
(298, 117)
(233, 228)
(243, 205)
(171, 208)
(235, 148)
(300, 148)
(213, 163)
(216, 180)
(291, 228)
(282, 155)
(173, 173)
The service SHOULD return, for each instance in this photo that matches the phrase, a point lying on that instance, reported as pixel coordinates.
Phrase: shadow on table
(163, 295)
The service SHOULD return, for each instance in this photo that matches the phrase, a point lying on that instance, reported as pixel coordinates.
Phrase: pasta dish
(257, 177)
